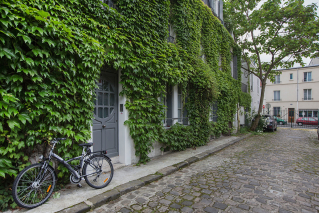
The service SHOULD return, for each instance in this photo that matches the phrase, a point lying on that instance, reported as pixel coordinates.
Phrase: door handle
(103, 126)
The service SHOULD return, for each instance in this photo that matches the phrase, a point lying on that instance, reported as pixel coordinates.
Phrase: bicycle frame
(82, 158)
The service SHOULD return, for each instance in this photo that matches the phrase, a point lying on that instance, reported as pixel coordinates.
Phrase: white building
(294, 93)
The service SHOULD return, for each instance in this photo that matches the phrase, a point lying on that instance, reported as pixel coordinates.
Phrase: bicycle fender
(107, 157)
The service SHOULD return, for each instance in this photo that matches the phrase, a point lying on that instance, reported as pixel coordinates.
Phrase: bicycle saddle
(86, 144)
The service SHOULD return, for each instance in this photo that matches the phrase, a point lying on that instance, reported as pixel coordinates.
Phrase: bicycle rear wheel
(33, 186)
(98, 171)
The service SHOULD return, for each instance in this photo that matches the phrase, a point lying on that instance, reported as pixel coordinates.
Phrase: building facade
(110, 112)
(294, 93)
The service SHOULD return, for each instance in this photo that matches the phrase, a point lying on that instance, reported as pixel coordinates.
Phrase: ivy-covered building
(151, 75)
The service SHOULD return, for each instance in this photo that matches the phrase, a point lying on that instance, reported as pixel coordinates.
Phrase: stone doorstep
(118, 191)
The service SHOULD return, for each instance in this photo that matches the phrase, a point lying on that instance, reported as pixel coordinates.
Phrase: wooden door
(105, 126)
(291, 115)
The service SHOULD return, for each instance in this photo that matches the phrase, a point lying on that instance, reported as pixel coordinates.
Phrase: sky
(306, 60)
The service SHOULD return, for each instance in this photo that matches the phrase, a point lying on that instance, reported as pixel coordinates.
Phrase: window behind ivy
(213, 112)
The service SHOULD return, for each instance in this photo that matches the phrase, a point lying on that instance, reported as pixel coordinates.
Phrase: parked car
(271, 122)
(280, 121)
(307, 121)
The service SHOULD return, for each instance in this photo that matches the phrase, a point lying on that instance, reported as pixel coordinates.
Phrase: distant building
(294, 93)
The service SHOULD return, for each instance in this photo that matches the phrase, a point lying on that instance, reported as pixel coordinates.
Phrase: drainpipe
(297, 90)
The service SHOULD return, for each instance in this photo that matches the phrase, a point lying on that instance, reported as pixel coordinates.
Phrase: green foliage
(200, 33)
(178, 137)
(52, 53)
(6, 199)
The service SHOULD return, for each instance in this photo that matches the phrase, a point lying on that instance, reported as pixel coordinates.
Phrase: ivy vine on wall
(52, 53)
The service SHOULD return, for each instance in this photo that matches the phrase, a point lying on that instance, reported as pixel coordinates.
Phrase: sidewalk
(128, 178)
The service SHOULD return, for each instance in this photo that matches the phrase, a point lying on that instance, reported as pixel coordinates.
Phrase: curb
(120, 190)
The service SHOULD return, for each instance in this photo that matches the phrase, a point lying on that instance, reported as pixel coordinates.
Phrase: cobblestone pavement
(272, 172)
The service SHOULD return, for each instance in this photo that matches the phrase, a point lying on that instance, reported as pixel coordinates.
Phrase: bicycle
(34, 184)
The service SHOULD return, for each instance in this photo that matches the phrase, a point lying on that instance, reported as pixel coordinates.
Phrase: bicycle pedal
(79, 185)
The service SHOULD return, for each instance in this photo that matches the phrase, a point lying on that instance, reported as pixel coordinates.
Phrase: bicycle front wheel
(98, 171)
(33, 186)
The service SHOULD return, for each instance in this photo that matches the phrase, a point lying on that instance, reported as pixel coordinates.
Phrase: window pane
(94, 111)
(106, 112)
(309, 76)
(315, 114)
(309, 114)
(100, 112)
(105, 86)
(305, 94)
(179, 115)
(112, 99)
(106, 99)
(100, 98)
(300, 114)
(309, 94)
(111, 88)
(111, 110)
(179, 102)
(305, 76)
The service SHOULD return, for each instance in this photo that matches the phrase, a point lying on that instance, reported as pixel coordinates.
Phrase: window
(277, 111)
(109, 2)
(276, 95)
(307, 76)
(277, 79)
(307, 94)
(213, 111)
(308, 113)
(220, 62)
(167, 103)
(291, 76)
(234, 68)
(252, 82)
(171, 34)
(163, 101)
(181, 109)
(180, 104)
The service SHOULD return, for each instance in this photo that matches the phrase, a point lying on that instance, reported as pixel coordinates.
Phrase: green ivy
(52, 53)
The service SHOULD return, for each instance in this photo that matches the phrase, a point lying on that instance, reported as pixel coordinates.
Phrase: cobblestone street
(272, 172)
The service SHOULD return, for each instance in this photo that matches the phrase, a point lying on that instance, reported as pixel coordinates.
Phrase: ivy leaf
(43, 14)
(13, 110)
(4, 162)
(24, 117)
(1, 127)
(12, 123)
(4, 22)
(29, 61)
(9, 53)
(78, 137)
(43, 94)
(17, 78)
(26, 39)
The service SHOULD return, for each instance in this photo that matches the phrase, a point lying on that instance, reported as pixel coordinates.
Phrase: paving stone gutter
(120, 190)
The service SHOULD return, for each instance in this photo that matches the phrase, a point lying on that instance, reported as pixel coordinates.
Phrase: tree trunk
(255, 122)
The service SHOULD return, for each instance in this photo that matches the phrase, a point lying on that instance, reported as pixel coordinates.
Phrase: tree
(285, 30)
